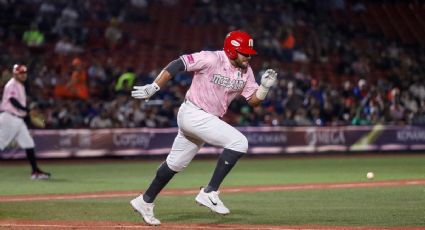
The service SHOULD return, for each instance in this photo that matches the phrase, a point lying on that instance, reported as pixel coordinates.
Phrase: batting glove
(269, 78)
(144, 92)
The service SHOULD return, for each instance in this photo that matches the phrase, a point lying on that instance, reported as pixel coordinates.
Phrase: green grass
(385, 206)
(399, 206)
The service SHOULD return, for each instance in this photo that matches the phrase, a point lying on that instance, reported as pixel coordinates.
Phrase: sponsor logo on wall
(132, 140)
(315, 137)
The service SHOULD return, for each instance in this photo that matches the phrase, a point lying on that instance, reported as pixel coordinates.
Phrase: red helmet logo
(19, 69)
(238, 42)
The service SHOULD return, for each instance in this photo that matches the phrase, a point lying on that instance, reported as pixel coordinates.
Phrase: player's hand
(144, 92)
(269, 78)
(37, 119)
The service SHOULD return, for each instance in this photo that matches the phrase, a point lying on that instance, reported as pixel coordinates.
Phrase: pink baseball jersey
(216, 82)
(16, 89)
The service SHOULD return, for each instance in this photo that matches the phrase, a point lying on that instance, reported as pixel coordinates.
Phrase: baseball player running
(12, 126)
(219, 77)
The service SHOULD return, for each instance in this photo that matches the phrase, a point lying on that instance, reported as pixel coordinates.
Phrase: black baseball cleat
(40, 175)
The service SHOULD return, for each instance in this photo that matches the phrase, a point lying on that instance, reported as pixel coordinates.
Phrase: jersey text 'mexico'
(216, 82)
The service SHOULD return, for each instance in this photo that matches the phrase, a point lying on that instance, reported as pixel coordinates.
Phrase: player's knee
(239, 145)
(176, 167)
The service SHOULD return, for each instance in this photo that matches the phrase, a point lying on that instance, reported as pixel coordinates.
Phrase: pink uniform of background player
(219, 77)
(13, 110)
(14, 89)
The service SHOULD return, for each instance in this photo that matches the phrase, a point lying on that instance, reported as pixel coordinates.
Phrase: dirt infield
(4, 224)
(26, 224)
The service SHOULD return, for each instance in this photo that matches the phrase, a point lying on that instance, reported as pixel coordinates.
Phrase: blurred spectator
(136, 11)
(360, 119)
(288, 45)
(316, 116)
(113, 34)
(77, 87)
(33, 37)
(409, 102)
(294, 98)
(102, 120)
(68, 23)
(288, 119)
(46, 16)
(98, 79)
(397, 113)
(301, 118)
(418, 118)
(65, 47)
(125, 82)
(334, 70)
(361, 67)
(166, 114)
(6, 75)
(361, 90)
(417, 89)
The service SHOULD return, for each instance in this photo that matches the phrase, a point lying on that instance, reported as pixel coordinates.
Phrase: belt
(12, 114)
(191, 103)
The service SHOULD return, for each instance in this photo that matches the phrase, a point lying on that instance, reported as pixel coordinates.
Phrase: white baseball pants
(197, 127)
(12, 127)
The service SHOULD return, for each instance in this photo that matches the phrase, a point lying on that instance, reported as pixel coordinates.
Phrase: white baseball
(370, 175)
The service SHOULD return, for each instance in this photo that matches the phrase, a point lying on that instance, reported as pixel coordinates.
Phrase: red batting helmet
(238, 42)
(19, 69)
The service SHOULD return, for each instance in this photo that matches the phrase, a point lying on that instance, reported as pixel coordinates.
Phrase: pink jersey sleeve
(250, 87)
(199, 61)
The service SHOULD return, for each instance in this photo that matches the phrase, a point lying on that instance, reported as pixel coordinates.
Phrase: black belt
(12, 114)
(189, 102)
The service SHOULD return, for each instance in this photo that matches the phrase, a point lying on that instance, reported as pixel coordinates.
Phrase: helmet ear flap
(232, 54)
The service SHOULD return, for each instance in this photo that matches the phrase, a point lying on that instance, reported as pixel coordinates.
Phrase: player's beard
(21, 78)
(242, 64)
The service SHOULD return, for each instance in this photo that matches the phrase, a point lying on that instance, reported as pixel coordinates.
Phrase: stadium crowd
(330, 73)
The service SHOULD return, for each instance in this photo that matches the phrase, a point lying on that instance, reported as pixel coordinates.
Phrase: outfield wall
(263, 140)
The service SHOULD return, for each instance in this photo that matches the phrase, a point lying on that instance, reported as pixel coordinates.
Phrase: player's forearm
(17, 105)
(162, 78)
(254, 101)
(169, 71)
(147, 91)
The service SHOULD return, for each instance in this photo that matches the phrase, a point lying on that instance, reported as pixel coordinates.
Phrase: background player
(219, 77)
(12, 126)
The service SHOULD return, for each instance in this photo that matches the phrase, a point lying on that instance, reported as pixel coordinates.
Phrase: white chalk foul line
(177, 192)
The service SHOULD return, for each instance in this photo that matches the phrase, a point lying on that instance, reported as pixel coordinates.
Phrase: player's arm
(254, 101)
(267, 80)
(18, 105)
(169, 71)
(146, 91)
